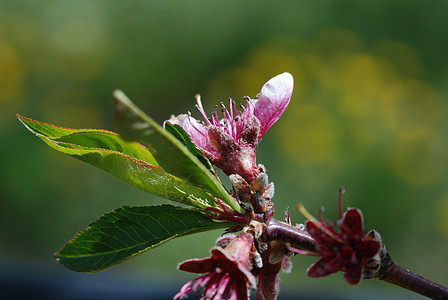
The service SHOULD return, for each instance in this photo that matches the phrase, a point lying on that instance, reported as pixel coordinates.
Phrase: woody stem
(389, 271)
(285, 233)
(395, 274)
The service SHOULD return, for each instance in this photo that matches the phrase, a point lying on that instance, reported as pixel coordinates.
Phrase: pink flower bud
(230, 142)
(227, 271)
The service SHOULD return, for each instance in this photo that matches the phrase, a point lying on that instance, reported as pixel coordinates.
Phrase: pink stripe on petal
(185, 290)
(211, 287)
(222, 287)
(233, 295)
(273, 100)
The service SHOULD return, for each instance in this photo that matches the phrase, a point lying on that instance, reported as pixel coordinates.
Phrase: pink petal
(197, 131)
(198, 266)
(353, 221)
(269, 285)
(233, 295)
(354, 274)
(286, 264)
(233, 265)
(185, 290)
(202, 281)
(313, 229)
(212, 285)
(225, 240)
(368, 249)
(238, 250)
(323, 267)
(222, 287)
(322, 238)
(273, 100)
(241, 290)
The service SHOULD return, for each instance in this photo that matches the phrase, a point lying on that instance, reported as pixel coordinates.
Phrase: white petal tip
(279, 87)
(285, 78)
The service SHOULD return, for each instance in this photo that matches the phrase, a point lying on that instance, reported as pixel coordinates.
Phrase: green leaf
(180, 134)
(93, 138)
(131, 162)
(172, 155)
(128, 231)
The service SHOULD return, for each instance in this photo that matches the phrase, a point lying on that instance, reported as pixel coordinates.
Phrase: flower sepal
(347, 250)
(228, 270)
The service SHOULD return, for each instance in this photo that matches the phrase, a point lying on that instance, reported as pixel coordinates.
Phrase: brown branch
(285, 233)
(389, 271)
(397, 275)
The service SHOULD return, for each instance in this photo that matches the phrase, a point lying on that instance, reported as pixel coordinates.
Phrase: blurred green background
(369, 112)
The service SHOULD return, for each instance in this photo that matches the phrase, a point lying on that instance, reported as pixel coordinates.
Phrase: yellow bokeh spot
(310, 135)
(419, 156)
(417, 104)
(12, 72)
(404, 58)
(71, 106)
(441, 212)
(12, 77)
(264, 63)
(352, 103)
(82, 49)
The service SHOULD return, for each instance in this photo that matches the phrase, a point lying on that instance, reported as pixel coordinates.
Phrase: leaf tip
(120, 96)
(20, 117)
(24, 120)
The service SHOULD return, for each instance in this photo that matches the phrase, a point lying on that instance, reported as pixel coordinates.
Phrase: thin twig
(282, 232)
(389, 271)
(397, 275)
